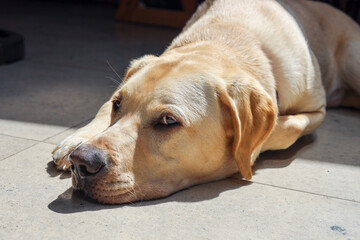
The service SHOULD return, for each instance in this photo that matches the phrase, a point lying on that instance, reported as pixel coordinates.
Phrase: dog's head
(176, 121)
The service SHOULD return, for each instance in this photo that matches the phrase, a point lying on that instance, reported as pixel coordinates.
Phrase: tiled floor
(310, 191)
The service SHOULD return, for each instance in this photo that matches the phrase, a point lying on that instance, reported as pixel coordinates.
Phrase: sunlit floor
(310, 191)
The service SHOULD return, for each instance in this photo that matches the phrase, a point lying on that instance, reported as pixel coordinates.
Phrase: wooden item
(130, 11)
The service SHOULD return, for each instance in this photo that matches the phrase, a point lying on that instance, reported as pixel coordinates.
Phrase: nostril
(85, 170)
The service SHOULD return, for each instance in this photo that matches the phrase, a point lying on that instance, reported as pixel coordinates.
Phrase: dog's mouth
(112, 197)
(76, 179)
(105, 192)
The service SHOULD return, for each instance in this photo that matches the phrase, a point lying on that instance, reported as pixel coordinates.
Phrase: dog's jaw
(122, 192)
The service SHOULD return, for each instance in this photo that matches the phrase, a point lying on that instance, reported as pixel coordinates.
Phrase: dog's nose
(87, 160)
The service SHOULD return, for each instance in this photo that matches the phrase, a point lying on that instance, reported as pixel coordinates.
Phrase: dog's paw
(62, 152)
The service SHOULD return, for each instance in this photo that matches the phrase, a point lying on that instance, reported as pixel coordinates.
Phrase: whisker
(114, 80)
(139, 190)
(113, 69)
(131, 192)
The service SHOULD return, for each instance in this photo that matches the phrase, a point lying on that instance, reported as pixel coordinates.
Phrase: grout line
(74, 126)
(20, 137)
(312, 193)
(36, 143)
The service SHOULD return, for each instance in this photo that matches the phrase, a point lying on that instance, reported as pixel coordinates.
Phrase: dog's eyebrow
(117, 97)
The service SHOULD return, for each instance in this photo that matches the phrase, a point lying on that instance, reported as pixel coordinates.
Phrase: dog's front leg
(289, 128)
(97, 125)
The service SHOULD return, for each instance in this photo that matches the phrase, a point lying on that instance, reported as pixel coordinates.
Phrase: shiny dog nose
(87, 160)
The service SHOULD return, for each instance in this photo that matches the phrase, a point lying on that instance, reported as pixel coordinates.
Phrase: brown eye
(168, 120)
(116, 106)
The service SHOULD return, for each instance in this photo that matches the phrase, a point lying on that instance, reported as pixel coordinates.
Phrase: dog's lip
(106, 196)
(72, 167)
(127, 196)
(122, 198)
(73, 170)
(75, 176)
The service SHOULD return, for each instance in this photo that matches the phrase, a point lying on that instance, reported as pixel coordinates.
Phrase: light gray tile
(61, 136)
(327, 162)
(330, 179)
(11, 145)
(28, 130)
(33, 197)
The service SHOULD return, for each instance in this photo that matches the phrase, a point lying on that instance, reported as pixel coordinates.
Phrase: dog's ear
(137, 64)
(253, 116)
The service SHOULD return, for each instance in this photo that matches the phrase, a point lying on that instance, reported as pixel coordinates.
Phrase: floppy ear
(137, 64)
(253, 115)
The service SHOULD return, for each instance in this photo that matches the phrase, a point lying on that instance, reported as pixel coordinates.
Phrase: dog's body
(244, 76)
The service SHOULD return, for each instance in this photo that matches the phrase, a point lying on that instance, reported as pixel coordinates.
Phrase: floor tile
(35, 196)
(61, 136)
(11, 145)
(326, 162)
(28, 130)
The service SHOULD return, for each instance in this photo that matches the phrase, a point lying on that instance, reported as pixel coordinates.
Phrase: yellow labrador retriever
(243, 77)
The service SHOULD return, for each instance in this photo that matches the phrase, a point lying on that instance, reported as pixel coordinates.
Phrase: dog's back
(335, 40)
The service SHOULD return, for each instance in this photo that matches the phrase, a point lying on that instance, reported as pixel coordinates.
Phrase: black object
(12, 47)
(351, 7)
(174, 4)
(166, 4)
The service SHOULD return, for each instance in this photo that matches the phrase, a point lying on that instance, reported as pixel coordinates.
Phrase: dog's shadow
(54, 172)
(72, 201)
(283, 158)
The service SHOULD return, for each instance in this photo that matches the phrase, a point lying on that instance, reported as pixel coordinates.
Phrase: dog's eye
(116, 105)
(168, 120)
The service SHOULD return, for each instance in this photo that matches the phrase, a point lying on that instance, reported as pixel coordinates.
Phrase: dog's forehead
(169, 80)
(191, 92)
(174, 87)
(160, 70)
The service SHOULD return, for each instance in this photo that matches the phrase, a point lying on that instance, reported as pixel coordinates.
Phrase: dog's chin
(104, 197)
(107, 196)
(116, 193)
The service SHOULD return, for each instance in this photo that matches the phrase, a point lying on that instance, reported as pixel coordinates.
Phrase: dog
(243, 77)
